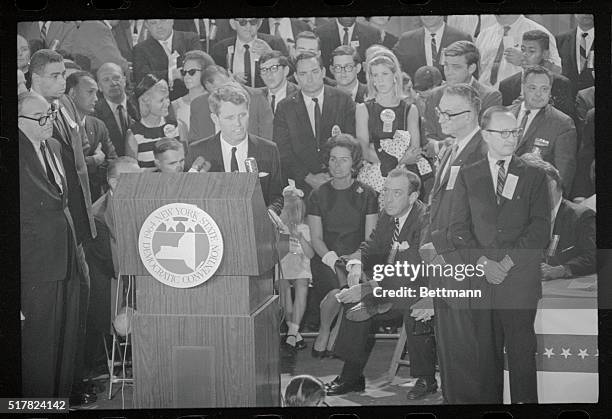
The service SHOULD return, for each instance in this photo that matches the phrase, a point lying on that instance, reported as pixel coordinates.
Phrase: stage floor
(379, 391)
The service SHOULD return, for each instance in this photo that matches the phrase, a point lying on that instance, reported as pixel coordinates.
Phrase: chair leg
(397, 354)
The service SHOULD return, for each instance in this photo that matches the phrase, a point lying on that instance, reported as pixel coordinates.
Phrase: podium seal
(180, 245)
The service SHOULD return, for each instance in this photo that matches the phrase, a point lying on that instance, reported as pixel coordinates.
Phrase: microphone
(197, 165)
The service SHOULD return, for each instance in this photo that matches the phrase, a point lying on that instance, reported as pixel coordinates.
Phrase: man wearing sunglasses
(274, 69)
(345, 66)
(240, 54)
(501, 220)
(547, 131)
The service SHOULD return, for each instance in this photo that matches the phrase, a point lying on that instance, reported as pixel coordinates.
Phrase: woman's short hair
(203, 59)
(413, 180)
(304, 390)
(231, 92)
(350, 143)
(211, 72)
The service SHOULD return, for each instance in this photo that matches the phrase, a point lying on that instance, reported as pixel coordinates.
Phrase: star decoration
(583, 353)
(189, 225)
(548, 352)
(566, 352)
(171, 224)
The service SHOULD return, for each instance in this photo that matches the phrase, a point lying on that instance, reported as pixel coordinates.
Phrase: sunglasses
(191, 72)
(252, 22)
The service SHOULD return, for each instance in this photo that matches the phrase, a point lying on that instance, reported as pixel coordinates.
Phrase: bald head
(111, 82)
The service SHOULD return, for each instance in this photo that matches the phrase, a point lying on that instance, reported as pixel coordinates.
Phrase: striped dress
(146, 138)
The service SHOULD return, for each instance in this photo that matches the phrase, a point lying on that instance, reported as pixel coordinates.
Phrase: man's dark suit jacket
(362, 92)
(297, 26)
(410, 49)
(220, 55)
(488, 97)
(123, 37)
(390, 40)
(583, 185)
(561, 96)
(150, 58)
(290, 89)
(566, 45)
(224, 30)
(330, 39)
(69, 133)
(517, 227)
(299, 149)
(585, 101)
(260, 117)
(103, 112)
(575, 225)
(439, 211)
(265, 153)
(558, 130)
(97, 134)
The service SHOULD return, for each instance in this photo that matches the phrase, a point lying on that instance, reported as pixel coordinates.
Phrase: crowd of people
(467, 140)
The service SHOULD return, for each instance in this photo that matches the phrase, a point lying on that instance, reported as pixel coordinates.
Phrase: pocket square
(403, 246)
(263, 174)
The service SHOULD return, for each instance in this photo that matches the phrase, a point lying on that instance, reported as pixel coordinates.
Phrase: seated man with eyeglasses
(345, 66)
(241, 54)
(274, 68)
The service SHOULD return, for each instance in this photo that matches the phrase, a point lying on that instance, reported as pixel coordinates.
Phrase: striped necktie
(498, 58)
(501, 180)
(43, 32)
(434, 50)
(394, 241)
(583, 52)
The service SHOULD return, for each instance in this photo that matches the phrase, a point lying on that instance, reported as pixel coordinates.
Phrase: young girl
(305, 390)
(152, 95)
(295, 265)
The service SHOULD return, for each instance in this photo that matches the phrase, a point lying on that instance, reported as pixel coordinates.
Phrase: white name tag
(510, 186)
(452, 178)
(355, 44)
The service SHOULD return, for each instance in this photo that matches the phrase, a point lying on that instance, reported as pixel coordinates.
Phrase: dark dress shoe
(82, 398)
(321, 354)
(366, 309)
(339, 386)
(422, 388)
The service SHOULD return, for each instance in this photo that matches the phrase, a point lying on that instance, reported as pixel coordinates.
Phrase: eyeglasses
(505, 134)
(191, 72)
(447, 116)
(272, 69)
(252, 22)
(43, 119)
(114, 79)
(343, 68)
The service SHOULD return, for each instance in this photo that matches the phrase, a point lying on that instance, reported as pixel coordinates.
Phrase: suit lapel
(532, 127)
(421, 46)
(572, 52)
(328, 113)
(216, 150)
(301, 114)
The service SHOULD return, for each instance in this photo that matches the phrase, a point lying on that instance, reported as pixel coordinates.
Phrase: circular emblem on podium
(180, 245)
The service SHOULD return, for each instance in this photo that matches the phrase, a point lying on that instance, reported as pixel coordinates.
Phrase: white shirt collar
(517, 22)
(404, 217)
(168, 42)
(523, 109)
(114, 105)
(282, 91)
(341, 30)
(591, 33)
(308, 99)
(493, 162)
(438, 32)
(354, 90)
(463, 142)
(242, 149)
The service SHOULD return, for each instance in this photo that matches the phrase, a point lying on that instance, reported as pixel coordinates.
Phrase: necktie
(277, 29)
(234, 162)
(273, 103)
(50, 174)
(247, 65)
(583, 52)
(501, 179)
(478, 25)
(524, 123)
(450, 160)
(317, 119)
(202, 29)
(43, 32)
(122, 121)
(394, 241)
(498, 58)
(434, 50)
(345, 38)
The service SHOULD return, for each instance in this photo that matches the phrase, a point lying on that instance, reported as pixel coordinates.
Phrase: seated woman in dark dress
(341, 214)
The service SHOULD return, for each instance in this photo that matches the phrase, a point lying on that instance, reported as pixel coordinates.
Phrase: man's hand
(240, 78)
(432, 148)
(99, 155)
(316, 180)
(494, 271)
(411, 156)
(354, 274)
(422, 314)
(131, 145)
(551, 272)
(513, 56)
(330, 259)
(350, 295)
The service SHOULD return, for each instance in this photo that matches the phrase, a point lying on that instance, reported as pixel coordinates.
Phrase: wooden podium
(216, 344)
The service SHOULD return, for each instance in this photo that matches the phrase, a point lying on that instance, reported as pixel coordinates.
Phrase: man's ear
(156, 163)
(232, 23)
(545, 54)
(215, 118)
(358, 67)
(472, 68)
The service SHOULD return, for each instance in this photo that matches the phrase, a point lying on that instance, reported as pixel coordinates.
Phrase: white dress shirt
(140, 33)
(354, 90)
(113, 108)
(279, 95)
(167, 44)
(589, 44)
(238, 64)
(403, 218)
(242, 152)
(206, 27)
(341, 32)
(460, 146)
(55, 168)
(530, 117)
(427, 41)
(488, 42)
(286, 32)
(310, 107)
(468, 23)
(494, 167)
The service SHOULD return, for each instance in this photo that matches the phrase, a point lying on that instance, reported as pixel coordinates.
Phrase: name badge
(452, 178)
(540, 142)
(335, 131)
(510, 186)
(387, 116)
(355, 44)
(423, 166)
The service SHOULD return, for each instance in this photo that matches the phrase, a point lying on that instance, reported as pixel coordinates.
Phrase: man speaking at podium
(227, 150)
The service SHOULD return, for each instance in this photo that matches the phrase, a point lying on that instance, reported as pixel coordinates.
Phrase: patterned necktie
(434, 50)
(50, 174)
(394, 241)
(234, 162)
(43, 32)
(317, 119)
(345, 38)
(277, 29)
(247, 65)
(501, 180)
(583, 52)
(498, 58)
(273, 103)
